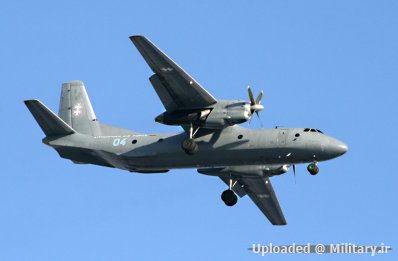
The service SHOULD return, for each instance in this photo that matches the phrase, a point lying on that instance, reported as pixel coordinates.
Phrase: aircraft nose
(337, 148)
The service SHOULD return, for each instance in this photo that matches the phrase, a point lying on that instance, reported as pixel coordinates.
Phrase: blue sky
(332, 65)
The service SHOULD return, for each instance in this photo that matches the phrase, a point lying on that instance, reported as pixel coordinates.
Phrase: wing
(249, 182)
(262, 193)
(176, 89)
(260, 190)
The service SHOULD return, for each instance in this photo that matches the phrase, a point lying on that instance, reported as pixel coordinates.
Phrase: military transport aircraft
(212, 140)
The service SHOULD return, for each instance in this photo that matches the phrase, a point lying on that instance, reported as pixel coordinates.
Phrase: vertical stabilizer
(76, 110)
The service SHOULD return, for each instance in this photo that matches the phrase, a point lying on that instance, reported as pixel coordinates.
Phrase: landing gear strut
(228, 196)
(313, 168)
(189, 145)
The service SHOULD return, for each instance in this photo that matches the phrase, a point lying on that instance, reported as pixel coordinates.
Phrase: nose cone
(337, 148)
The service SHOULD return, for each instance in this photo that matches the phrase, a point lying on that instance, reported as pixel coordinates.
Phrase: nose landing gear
(313, 168)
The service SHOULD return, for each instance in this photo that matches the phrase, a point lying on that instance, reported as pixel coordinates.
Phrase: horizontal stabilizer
(49, 122)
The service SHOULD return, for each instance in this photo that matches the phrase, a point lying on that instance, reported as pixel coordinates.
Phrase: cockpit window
(312, 130)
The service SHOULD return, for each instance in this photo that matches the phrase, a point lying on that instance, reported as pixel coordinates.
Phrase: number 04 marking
(117, 142)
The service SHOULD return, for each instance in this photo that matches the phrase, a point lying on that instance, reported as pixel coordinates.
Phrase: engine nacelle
(183, 117)
(276, 170)
(250, 171)
(237, 113)
(228, 113)
(224, 113)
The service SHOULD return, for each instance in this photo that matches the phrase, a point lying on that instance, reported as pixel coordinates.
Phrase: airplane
(212, 141)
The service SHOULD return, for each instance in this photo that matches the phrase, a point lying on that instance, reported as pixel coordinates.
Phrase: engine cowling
(183, 117)
(224, 113)
(237, 113)
(276, 170)
(246, 171)
(228, 113)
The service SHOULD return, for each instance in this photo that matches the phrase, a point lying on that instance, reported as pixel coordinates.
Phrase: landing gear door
(282, 137)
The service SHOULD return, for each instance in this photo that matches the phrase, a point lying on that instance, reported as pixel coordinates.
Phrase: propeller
(255, 105)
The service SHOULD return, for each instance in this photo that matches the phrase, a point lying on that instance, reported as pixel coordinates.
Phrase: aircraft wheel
(229, 197)
(189, 146)
(313, 169)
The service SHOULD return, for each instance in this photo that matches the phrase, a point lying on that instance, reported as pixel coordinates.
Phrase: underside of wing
(263, 195)
(248, 181)
(176, 88)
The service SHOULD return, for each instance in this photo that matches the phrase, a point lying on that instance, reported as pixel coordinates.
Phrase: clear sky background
(331, 65)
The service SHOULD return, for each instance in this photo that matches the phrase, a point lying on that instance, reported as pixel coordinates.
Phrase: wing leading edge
(176, 89)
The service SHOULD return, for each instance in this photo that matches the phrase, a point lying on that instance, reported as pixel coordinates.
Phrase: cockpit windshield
(312, 130)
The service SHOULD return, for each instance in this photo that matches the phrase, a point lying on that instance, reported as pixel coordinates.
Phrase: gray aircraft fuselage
(232, 146)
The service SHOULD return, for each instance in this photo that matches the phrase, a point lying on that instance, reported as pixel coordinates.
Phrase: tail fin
(50, 123)
(76, 110)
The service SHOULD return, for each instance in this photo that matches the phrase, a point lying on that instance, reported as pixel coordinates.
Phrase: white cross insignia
(77, 109)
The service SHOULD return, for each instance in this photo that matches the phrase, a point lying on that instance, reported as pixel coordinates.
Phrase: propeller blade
(252, 101)
(258, 116)
(259, 97)
(294, 173)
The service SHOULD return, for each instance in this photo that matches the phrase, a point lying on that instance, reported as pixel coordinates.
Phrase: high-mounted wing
(176, 89)
(259, 189)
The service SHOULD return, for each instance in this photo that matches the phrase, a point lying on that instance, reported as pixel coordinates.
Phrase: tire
(189, 146)
(229, 198)
(313, 169)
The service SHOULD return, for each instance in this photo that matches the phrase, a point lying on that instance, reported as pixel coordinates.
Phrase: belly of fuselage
(212, 157)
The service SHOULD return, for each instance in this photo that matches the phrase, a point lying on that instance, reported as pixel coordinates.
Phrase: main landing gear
(189, 145)
(313, 168)
(228, 196)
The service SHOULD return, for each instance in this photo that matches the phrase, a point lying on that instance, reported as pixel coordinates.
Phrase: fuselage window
(134, 141)
(240, 136)
(297, 135)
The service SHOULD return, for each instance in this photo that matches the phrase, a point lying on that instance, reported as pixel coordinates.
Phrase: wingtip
(30, 101)
(136, 37)
(282, 223)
